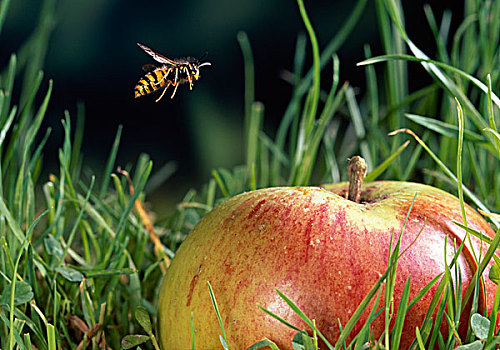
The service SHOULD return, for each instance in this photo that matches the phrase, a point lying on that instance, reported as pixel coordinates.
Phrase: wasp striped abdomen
(153, 81)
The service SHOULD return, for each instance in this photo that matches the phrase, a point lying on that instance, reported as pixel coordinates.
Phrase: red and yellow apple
(321, 250)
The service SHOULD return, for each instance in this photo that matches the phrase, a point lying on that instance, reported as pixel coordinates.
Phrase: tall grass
(76, 259)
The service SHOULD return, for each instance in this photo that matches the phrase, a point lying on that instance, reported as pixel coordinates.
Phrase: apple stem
(357, 172)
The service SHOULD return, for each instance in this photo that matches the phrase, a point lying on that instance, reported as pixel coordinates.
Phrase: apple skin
(321, 250)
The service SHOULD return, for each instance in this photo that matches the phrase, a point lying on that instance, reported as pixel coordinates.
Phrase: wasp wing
(157, 57)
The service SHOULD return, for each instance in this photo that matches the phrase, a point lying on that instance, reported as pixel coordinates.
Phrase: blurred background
(93, 58)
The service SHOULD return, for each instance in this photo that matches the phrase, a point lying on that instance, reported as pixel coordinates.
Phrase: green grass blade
(291, 118)
(263, 344)
(341, 36)
(444, 128)
(11, 221)
(27, 341)
(7, 124)
(216, 174)
(449, 85)
(34, 54)
(76, 157)
(447, 171)
(51, 337)
(360, 309)
(436, 332)
(371, 83)
(37, 121)
(420, 340)
(8, 82)
(254, 128)
(396, 72)
(160, 176)
(4, 7)
(306, 319)
(423, 291)
(249, 73)
(357, 119)
(372, 175)
(13, 294)
(110, 163)
(488, 256)
(264, 171)
(120, 229)
(400, 317)
(334, 44)
(76, 224)
(281, 157)
(427, 62)
(440, 34)
(217, 312)
(35, 161)
(305, 165)
(491, 115)
(191, 324)
(493, 315)
(26, 110)
(316, 60)
(363, 337)
(285, 322)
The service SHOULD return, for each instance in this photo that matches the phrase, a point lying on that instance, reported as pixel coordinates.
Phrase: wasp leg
(190, 79)
(176, 86)
(165, 76)
(176, 83)
(176, 76)
(164, 90)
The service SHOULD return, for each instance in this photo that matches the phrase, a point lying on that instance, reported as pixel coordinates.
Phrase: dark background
(93, 57)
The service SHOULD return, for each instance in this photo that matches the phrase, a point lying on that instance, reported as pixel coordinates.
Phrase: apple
(322, 250)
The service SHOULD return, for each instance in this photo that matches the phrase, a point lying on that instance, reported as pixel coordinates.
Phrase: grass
(75, 253)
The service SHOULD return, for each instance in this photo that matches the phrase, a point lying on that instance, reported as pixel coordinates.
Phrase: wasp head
(194, 69)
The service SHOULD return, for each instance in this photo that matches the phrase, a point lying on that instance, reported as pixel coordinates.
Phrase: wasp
(171, 72)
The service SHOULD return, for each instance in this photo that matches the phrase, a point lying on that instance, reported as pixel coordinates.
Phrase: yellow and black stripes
(163, 77)
(153, 81)
(171, 72)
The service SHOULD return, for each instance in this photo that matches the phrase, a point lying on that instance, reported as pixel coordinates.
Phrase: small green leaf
(129, 341)
(494, 274)
(53, 247)
(142, 316)
(477, 345)
(262, 344)
(22, 294)
(480, 326)
(70, 274)
(302, 341)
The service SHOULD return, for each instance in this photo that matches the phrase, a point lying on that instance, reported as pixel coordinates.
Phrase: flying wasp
(171, 72)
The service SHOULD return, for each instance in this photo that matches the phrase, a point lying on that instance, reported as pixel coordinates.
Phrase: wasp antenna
(205, 64)
(205, 54)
